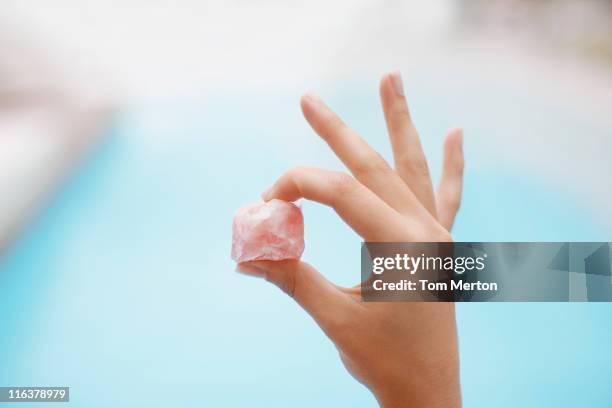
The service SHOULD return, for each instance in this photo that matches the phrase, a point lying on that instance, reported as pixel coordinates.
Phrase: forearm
(441, 390)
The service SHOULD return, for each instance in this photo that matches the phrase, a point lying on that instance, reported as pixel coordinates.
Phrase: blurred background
(130, 132)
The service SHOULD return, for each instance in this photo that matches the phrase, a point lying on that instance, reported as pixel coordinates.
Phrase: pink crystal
(269, 231)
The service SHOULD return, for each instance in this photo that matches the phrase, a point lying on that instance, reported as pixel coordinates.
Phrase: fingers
(451, 183)
(364, 162)
(359, 207)
(325, 302)
(410, 162)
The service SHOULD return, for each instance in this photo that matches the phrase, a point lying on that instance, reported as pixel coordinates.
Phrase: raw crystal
(270, 231)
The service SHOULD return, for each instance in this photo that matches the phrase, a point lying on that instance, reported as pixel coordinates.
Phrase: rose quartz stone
(270, 231)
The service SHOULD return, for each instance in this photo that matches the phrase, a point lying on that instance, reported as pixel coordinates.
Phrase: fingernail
(266, 193)
(250, 269)
(314, 97)
(460, 138)
(398, 84)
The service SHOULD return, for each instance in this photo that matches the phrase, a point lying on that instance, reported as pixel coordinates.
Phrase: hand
(405, 353)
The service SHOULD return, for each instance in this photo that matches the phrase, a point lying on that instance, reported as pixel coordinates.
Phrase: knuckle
(413, 164)
(343, 183)
(333, 126)
(335, 122)
(454, 203)
(459, 167)
(371, 164)
(296, 175)
(378, 164)
(290, 284)
(286, 283)
(296, 172)
(419, 167)
(452, 200)
(401, 110)
(455, 166)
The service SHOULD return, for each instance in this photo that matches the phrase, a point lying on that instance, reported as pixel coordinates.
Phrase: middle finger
(364, 162)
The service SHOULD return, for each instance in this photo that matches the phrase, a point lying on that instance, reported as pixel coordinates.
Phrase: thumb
(305, 284)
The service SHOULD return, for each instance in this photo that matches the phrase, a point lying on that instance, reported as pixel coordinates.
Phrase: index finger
(362, 210)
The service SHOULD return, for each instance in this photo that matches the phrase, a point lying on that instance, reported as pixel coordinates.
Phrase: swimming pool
(122, 288)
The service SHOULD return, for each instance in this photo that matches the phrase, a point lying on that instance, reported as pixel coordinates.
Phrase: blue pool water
(122, 288)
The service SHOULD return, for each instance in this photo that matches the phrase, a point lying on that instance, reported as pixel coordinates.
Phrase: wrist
(448, 397)
(433, 387)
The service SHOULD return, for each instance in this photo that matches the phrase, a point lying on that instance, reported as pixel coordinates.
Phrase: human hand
(405, 353)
